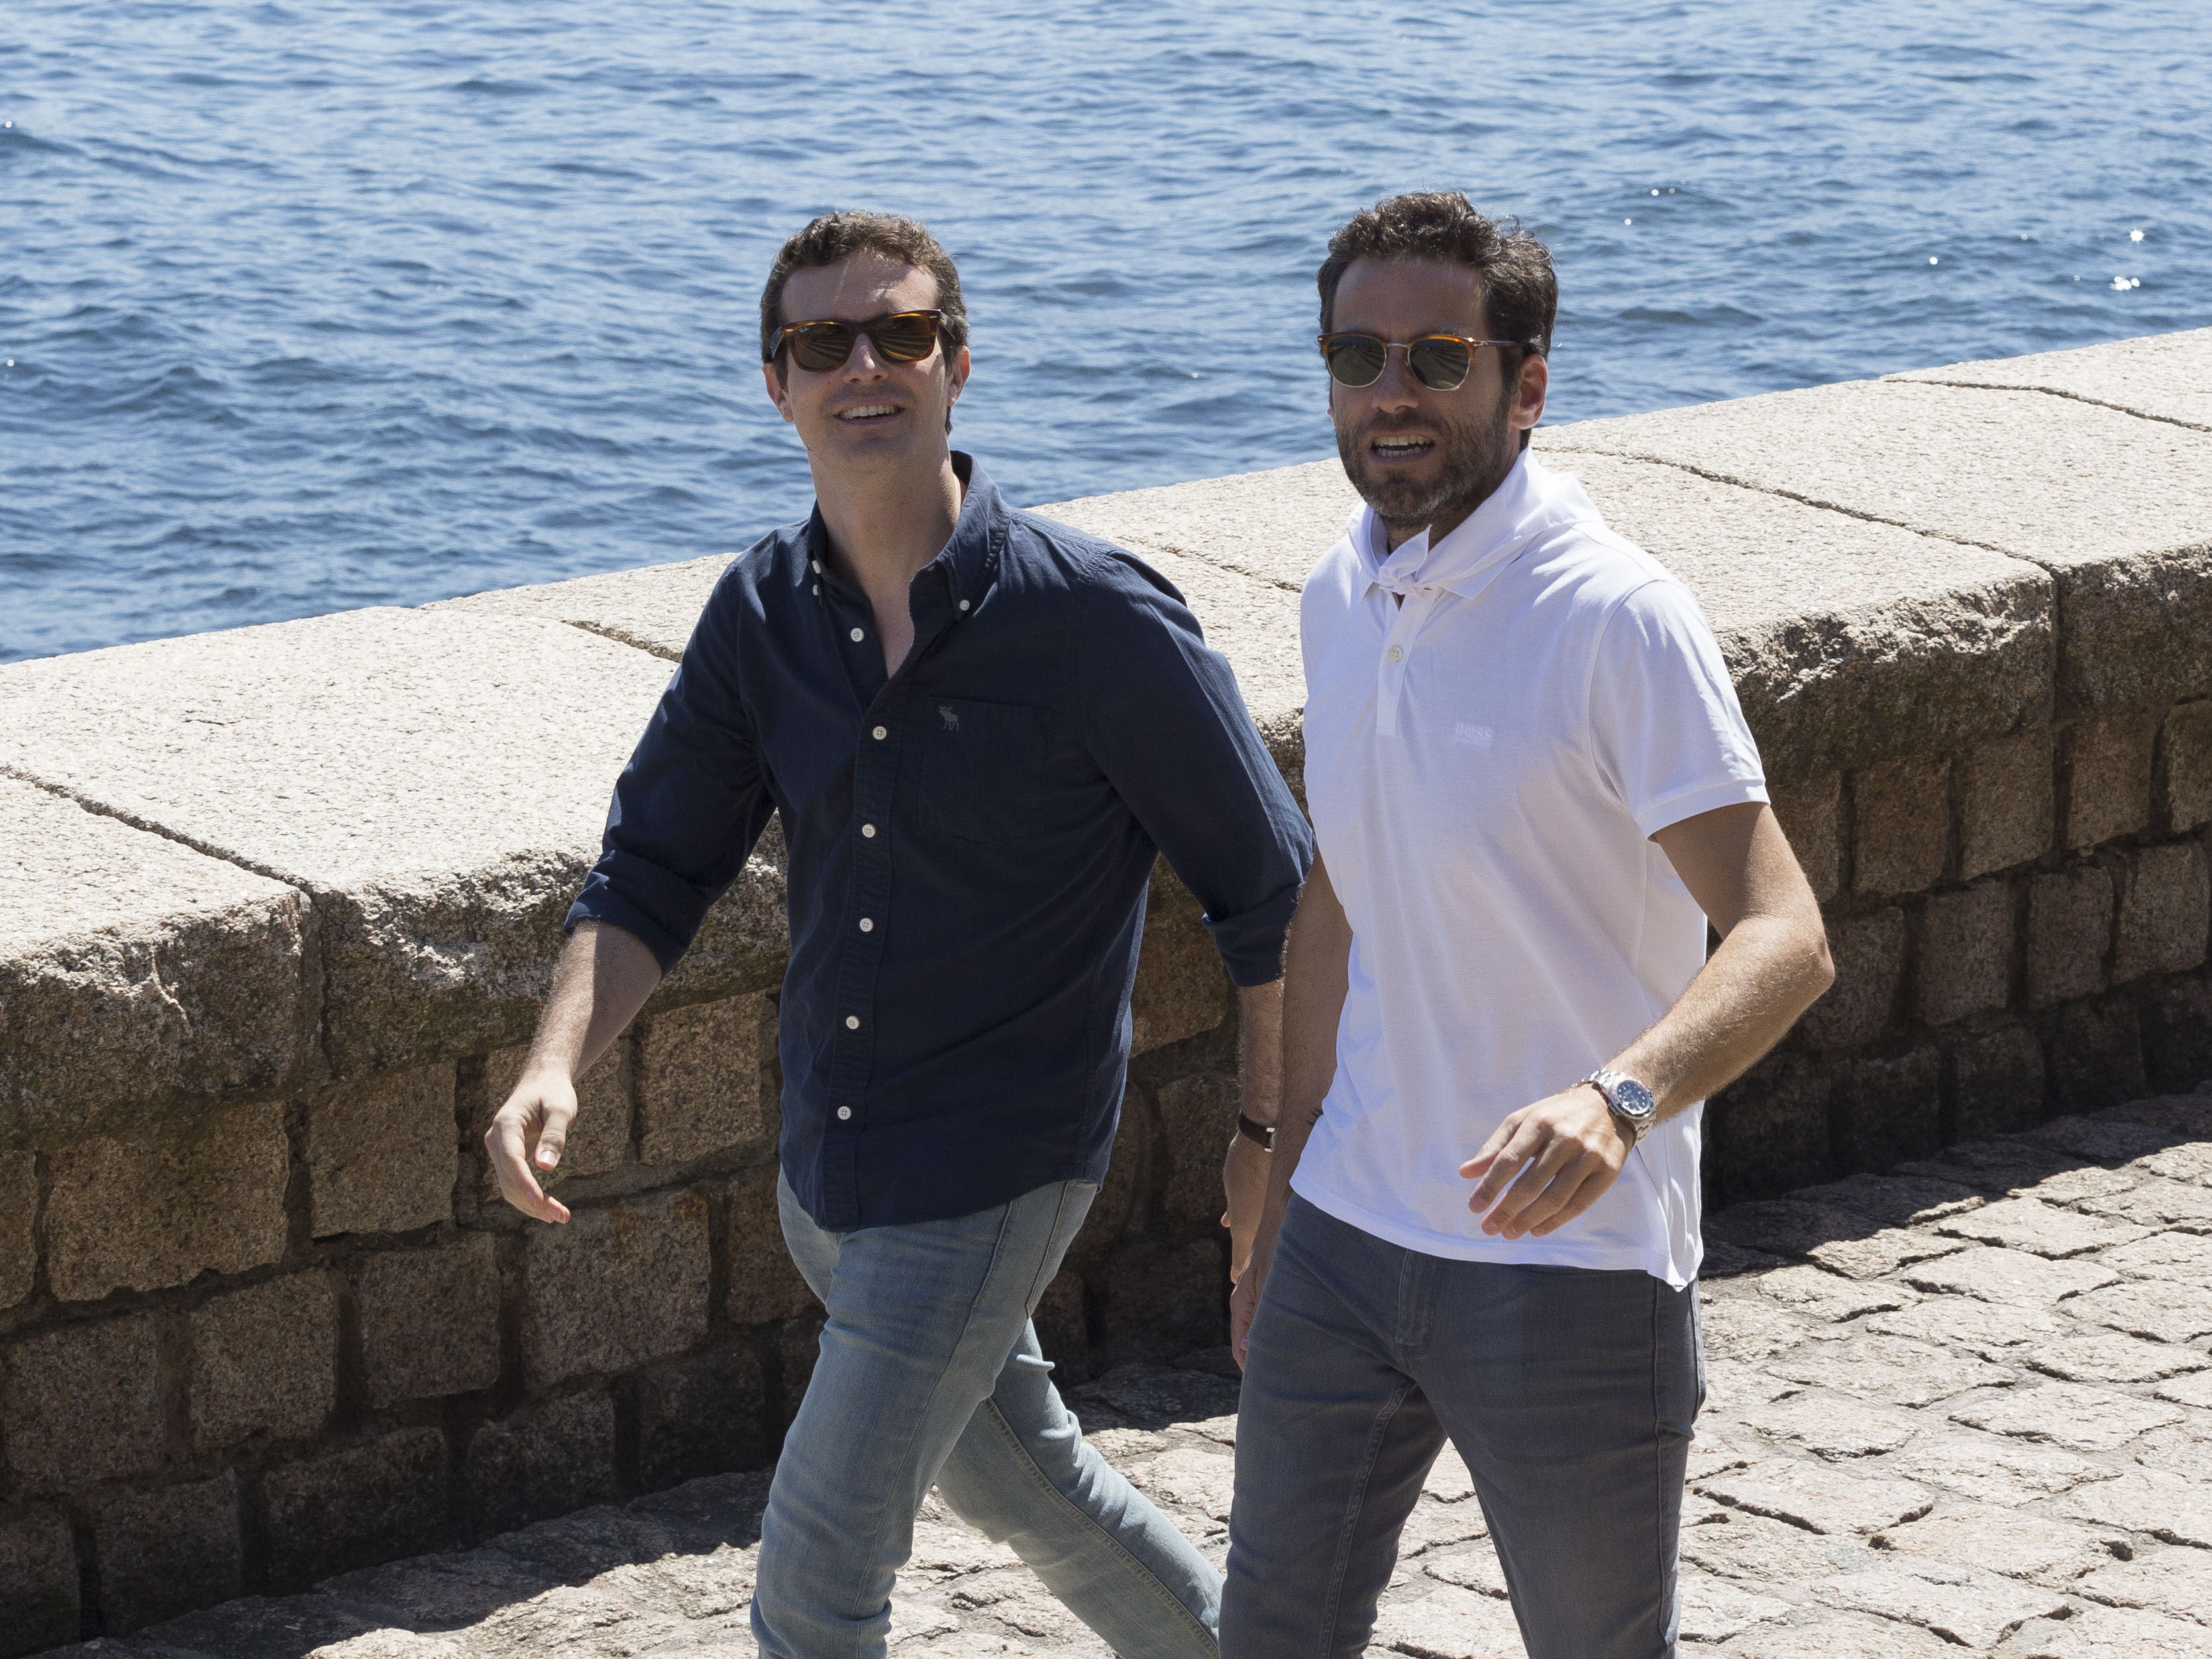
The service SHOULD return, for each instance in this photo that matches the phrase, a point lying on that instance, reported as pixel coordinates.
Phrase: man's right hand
(1244, 1297)
(532, 1126)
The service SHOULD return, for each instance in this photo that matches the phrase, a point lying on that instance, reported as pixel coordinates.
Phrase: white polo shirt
(1485, 763)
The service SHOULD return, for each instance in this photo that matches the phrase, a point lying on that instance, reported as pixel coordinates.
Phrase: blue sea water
(311, 306)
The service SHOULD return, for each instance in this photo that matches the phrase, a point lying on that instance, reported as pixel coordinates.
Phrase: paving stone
(261, 1627)
(429, 1320)
(2102, 1136)
(1738, 1327)
(264, 1362)
(701, 1084)
(2018, 1543)
(1889, 1369)
(441, 1591)
(1761, 1550)
(38, 1564)
(1450, 1623)
(1713, 1609)
(1993, 1166)
(2112, 1356)
(2083, 1418)
(1722, 1260)
(1842, 1240)
(144, 1214)
(1990, 1274)
(2180, 1163)
(1448, 1480)
(2080, 1185)
(2148, 1500)
(1841, 1637)
(1895, 1200)
(2176, 1580)
(1995, 1468)
(2163, 1310)
(1434, 1526)
(1187, 1478)
(1818, 1498)
(1993, 1329)
(2109, 1634)
(382, 1152)
(1816, 1294)
(616, 1287)
(2195, 1390)
(1475, 1568)
(83, 1403)
(2187, 1116)
(1832, 1426)
(2028, 1223)
(1735, 1385)
(167, 1550)
(1975, 1609)
(2184, 1256)
(2157, 1202)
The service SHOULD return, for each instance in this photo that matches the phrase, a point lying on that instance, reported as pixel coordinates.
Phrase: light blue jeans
(1571, 1393)
(930, 1373)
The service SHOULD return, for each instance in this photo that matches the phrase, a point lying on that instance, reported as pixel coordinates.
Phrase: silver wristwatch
(1630, 1101)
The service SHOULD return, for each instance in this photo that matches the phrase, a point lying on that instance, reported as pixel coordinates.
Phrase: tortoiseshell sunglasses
(904, 337)
(1439, 362)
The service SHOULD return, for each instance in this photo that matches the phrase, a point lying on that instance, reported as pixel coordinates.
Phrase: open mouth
(1400, 446)
(867, 414)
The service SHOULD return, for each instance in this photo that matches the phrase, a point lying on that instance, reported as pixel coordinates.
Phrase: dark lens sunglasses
(904, 337)
(1439, 362)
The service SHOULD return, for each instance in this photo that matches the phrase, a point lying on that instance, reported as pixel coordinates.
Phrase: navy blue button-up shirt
(969, 844)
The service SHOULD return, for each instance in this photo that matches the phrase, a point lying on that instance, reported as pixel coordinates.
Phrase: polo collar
(1531, 501)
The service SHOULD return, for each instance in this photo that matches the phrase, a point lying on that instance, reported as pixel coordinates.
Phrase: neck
(1447, 517)
(886, 527)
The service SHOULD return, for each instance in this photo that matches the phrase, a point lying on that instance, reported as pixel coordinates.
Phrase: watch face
(1631, 1099)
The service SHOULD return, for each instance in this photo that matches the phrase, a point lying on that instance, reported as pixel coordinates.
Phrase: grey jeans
(1570, 1394)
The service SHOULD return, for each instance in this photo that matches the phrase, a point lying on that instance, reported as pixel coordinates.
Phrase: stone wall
(280, 903)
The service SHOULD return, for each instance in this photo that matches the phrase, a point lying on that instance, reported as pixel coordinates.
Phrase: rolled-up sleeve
(1162, 718)
(688, 807)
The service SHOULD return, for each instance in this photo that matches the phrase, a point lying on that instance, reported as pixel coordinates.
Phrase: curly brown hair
(1519, 292)
(840, 233)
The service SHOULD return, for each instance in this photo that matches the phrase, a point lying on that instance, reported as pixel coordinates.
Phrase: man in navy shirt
(979, 728)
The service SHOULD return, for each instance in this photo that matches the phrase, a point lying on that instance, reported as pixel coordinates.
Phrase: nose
(1397, 389)
(862, 364)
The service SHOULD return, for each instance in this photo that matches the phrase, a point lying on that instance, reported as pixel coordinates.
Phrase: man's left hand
(1551, 1161)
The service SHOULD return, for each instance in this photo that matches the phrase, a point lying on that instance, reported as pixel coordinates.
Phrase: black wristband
(1262, 1133)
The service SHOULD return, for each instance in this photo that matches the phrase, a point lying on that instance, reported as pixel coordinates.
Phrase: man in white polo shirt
(1533, 788)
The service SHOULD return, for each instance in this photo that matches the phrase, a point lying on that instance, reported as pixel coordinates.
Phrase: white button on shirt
(1484, 804)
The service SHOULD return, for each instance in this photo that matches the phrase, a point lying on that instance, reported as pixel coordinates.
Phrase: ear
(1528, 391)
(955, 375)
(778, 393)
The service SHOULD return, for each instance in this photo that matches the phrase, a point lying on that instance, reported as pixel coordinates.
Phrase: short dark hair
(838, 235)
(1519, 292)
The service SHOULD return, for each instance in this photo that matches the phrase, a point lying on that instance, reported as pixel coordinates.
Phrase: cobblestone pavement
(1966, 1405)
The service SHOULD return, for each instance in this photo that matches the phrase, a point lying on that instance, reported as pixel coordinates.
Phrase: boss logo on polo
(1472, 736)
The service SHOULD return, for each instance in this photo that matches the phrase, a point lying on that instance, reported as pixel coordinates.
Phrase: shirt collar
(1532, 500)
(968, 564)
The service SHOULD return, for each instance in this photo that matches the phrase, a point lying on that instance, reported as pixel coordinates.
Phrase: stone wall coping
(402, 801)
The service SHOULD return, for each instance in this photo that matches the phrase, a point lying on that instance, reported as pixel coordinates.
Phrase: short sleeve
(1665, 726)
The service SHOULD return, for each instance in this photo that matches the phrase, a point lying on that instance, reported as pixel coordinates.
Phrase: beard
(1473, 454)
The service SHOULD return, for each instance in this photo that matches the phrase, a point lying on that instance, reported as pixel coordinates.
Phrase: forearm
(1260, 1050)
(1315, 976)
(603, 978)
(1767, 971)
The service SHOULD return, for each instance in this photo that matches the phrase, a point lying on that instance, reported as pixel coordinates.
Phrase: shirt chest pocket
(978, 770)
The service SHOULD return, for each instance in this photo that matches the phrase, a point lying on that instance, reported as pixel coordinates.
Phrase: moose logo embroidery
(945, 712)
